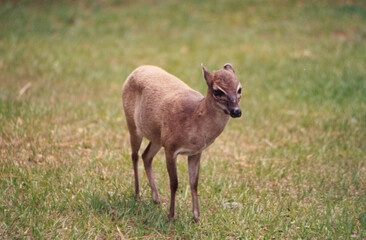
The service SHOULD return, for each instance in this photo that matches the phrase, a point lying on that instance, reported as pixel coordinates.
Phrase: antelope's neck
(211, 119)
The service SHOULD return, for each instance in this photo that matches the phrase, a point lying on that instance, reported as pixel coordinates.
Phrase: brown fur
(166, 111)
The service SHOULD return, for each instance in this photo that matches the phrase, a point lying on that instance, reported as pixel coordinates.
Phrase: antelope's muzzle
(235, 113)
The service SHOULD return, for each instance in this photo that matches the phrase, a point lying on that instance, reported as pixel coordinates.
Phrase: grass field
(294, 166)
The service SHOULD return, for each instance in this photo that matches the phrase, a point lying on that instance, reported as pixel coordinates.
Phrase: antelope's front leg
(193, 170)
(173, 177)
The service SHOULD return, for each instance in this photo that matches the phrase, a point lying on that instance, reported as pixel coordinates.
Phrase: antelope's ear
(207, 75)
(229, 67)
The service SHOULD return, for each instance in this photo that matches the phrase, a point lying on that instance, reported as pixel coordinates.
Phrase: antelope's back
(149, 95)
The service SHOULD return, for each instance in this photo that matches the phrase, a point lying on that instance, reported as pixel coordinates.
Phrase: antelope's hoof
(196, 219)
(156, 199)
(171, 218)
(137, 197)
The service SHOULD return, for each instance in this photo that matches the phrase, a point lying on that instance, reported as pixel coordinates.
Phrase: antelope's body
(166, 111)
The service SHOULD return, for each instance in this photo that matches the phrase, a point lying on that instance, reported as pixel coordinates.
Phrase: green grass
(294, 166)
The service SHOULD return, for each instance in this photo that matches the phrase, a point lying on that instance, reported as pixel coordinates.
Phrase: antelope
(166, 111)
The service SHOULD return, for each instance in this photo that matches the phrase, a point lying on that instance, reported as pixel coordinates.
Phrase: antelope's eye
(239, 91)
(218, 93)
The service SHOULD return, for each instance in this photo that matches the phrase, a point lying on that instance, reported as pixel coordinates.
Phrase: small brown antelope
(166, 111)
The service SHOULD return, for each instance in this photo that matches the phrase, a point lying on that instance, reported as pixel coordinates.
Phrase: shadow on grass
(143, 215)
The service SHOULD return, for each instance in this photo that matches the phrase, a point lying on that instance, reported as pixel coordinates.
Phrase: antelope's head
(225, 89)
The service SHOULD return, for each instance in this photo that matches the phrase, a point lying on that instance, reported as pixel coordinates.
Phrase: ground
(293, 166)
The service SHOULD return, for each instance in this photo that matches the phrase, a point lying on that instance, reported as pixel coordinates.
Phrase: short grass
(294, 166)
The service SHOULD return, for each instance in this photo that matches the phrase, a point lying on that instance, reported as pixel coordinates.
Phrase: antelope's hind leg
(151, 150)
(173, 178)
(135, 146)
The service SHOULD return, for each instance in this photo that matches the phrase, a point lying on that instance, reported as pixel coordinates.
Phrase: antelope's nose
(235, 113)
